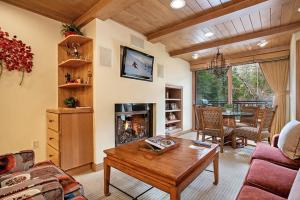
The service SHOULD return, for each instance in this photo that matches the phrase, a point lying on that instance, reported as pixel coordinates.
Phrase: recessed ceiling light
(177, 4)
(195, 56)
(209, 34)
(298, 9)
(262, 43)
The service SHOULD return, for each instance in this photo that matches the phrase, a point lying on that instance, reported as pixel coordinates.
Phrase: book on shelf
(160, 142)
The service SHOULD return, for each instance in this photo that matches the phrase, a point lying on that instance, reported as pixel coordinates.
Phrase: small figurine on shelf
(78, 80)
(68, 78)
(89, 78)
(172, 117)
(71, 102)
(174, 106)
(73, 49)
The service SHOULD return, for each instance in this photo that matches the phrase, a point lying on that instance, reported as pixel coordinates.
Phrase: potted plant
(70, 29)
(71, 102)
(228, 107)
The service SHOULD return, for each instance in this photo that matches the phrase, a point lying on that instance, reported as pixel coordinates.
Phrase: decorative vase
(69, 33)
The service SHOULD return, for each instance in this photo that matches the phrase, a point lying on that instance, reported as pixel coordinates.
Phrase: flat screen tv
(136, 64)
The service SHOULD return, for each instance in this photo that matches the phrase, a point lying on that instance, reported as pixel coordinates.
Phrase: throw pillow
(289, 140)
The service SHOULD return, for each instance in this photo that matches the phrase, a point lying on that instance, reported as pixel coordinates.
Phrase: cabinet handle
(51, 138)
(50, 120)
(50, 155)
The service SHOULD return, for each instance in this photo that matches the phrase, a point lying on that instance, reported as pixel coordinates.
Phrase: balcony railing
(238, 104)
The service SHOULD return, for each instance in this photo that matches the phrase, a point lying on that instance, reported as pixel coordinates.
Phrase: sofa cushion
(264, 151)
(50, 190)
(22, 182)
(295, 191)
(289, 140)
(271, 177)
(250, 133)
(253, 193)
(47, 169)
(16, 162)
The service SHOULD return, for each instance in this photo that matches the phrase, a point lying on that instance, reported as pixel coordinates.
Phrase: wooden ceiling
(150, 17)
(238, 25)
(61, 10)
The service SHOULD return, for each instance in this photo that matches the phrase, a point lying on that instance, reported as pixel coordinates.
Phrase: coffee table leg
(174, 194)
(216, 169)
(106, 177)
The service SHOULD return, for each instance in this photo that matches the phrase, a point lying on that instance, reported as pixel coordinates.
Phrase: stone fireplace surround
(133, 121)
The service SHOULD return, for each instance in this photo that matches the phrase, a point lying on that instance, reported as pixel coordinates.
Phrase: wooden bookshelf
(80, 39)
(74, 85)
(173, 100)
(172, 121)
(74, 62)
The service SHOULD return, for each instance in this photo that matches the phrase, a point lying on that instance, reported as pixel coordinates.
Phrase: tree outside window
(248, 84)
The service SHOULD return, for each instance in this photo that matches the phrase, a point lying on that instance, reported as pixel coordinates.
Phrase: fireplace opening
(133, 122)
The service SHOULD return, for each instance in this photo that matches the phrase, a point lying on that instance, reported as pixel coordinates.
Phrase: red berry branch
(14, 55)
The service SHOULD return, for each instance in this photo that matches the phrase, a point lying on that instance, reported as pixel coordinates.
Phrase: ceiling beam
(238, 38)
(256, 52)
(231, 10)
(256, 58)
(103, 9)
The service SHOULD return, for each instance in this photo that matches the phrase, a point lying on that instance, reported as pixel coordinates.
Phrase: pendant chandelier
(218, 65)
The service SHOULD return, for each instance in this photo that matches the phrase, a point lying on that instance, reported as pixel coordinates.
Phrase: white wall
(23, 108)
(295, 37)
(110, 88)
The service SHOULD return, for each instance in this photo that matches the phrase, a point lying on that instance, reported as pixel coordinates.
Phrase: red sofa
(271, 176)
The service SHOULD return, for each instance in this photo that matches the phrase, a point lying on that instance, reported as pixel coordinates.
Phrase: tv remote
(197, 142)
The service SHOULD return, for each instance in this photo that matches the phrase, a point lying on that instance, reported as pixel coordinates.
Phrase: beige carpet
(233, 168)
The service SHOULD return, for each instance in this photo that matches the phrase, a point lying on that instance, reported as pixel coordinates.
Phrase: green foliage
(248, 83)
(210, 87)
(71, 102)
(70, 28)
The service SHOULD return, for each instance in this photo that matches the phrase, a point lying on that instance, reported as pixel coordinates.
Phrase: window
(249, 83)
(249, 86)
(209, 88)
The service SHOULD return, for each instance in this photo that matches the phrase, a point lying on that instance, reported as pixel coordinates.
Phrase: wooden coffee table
(171, 171)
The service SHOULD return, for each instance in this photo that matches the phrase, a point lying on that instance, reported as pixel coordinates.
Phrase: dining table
(231, 116)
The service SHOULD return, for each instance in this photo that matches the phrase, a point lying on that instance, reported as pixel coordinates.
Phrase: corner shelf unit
(73, 127)
(174, 101)
(74, 62)
(78, 68)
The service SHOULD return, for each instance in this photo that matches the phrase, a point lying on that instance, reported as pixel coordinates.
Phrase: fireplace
(133, 122)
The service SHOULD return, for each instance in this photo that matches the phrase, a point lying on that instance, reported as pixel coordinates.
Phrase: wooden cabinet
(70, 138)
(70, 130)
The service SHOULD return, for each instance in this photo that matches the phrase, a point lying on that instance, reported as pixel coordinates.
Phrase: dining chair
(256, 134)
(248, 120)
(198, 120)
(212, 125)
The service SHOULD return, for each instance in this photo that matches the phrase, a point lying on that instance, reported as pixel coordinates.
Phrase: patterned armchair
(249, 120)
(259, 133)
(20, 178)
(212, 124)
(198, 120)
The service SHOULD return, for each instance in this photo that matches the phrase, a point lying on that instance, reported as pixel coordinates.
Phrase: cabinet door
(76, 139)
(52, 121)
(53, 155)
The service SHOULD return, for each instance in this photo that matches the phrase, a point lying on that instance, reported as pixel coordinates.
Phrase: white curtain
(277, 74)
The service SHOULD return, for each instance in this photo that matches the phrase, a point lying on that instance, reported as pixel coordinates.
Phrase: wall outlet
(35, 144)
